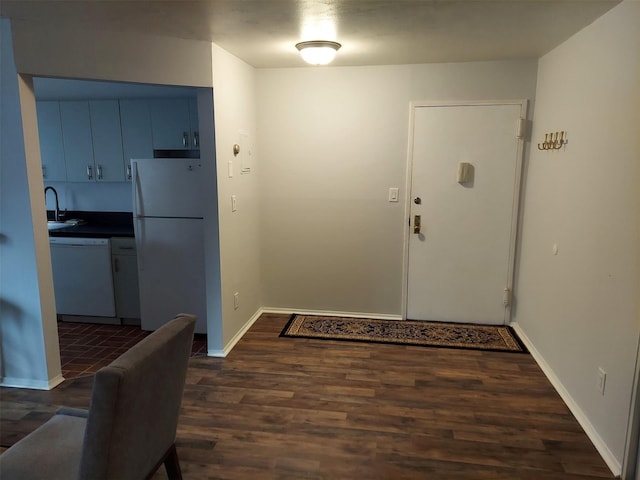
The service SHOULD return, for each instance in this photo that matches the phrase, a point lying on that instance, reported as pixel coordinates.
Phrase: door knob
(417, 200)
(416, 224)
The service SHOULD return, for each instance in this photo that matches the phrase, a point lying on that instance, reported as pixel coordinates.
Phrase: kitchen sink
(53, 225)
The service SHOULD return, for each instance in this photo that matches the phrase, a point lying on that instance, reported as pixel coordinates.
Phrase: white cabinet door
(137, 140)
(170, 123)
(51, 146)
(125, 277)
(125, 283)
(193, 123)
(76, 137)
(107, 140)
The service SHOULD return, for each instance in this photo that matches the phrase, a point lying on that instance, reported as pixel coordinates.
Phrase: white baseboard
(236, 338)
(331, 313)
(581, 417)
(288, 311)
(13, 382)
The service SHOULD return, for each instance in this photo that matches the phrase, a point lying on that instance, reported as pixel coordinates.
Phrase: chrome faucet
(55, 193)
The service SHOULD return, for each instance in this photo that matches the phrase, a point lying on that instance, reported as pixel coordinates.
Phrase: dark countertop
(95, 224)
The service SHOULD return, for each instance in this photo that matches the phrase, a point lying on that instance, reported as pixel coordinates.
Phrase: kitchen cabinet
(76, 137)
(51, 146)
(137, 140)
(174, 123)
(95, 140)
(125, 277)
(92, 141)
(106, 140)
(193, 122)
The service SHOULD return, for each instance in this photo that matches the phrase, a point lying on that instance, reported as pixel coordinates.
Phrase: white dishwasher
(82, 276)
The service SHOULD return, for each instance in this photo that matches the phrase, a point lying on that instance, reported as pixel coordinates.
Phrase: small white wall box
(465, 172)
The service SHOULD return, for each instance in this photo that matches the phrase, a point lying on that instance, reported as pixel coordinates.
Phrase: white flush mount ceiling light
(318, 52)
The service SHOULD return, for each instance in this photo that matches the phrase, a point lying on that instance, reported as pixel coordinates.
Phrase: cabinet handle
(185, 139)
(44, 172)
(99, 169)
(116, 265)
(89, 172)
(128, 172)
(196, 139)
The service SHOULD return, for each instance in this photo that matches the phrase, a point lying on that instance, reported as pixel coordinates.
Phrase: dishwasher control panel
(78, 241)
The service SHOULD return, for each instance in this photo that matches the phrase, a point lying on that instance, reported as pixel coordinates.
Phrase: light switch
(234, 203)
(394, 194)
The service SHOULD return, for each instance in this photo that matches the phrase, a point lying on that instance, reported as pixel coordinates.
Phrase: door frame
(520, 132)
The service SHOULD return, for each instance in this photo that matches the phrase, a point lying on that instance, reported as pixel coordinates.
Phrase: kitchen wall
(332, 142)
(580, 308)
(240, 236)
(91, 197)
(29, 352)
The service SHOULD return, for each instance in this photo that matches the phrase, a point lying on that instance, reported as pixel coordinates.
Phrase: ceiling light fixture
(318, 52)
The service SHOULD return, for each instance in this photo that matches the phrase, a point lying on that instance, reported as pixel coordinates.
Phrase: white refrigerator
(168, 224)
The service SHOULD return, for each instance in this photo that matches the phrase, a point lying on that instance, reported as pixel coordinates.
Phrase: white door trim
(517, 189)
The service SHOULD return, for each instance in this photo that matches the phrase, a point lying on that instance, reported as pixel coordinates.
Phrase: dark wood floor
(282, 408)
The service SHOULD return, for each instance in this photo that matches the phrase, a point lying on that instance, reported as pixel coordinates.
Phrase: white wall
(580, 309)
(332, 142)
(29, 352)
(234, 107)
(119, 56)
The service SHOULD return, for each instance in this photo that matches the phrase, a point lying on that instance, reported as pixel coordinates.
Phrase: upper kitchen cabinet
(193, 122)
(137, 140)
(174, 123)
(76, 137)
(107, 140)
(92, 141)
(51, 145)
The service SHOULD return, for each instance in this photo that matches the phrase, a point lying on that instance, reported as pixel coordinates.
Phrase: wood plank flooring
(283, 408)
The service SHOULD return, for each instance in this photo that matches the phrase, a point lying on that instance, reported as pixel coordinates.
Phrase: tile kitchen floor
(87, 347)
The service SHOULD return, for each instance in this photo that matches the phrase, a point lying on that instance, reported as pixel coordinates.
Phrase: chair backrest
(135, 404)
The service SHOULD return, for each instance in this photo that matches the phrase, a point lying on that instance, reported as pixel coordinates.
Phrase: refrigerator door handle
(137, 215)
(140, 241)
(137, 203)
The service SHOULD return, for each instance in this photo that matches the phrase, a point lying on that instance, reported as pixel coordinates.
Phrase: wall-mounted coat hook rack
(553, 141)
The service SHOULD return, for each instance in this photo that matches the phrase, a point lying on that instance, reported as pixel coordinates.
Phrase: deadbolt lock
(416, 224)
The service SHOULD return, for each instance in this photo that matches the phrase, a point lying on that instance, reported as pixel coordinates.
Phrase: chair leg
(172, 464)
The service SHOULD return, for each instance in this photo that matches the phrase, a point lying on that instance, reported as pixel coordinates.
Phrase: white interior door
(461, 261)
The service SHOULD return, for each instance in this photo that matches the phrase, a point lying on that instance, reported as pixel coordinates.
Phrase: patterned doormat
(404, 332)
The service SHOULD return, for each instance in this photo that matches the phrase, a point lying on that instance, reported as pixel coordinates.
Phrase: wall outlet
(602, 379)
(236, 301)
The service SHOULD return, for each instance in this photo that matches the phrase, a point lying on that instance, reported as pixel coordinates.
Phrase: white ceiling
(373, 32)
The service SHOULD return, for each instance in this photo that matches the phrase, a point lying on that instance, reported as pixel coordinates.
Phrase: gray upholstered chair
(130, 427)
